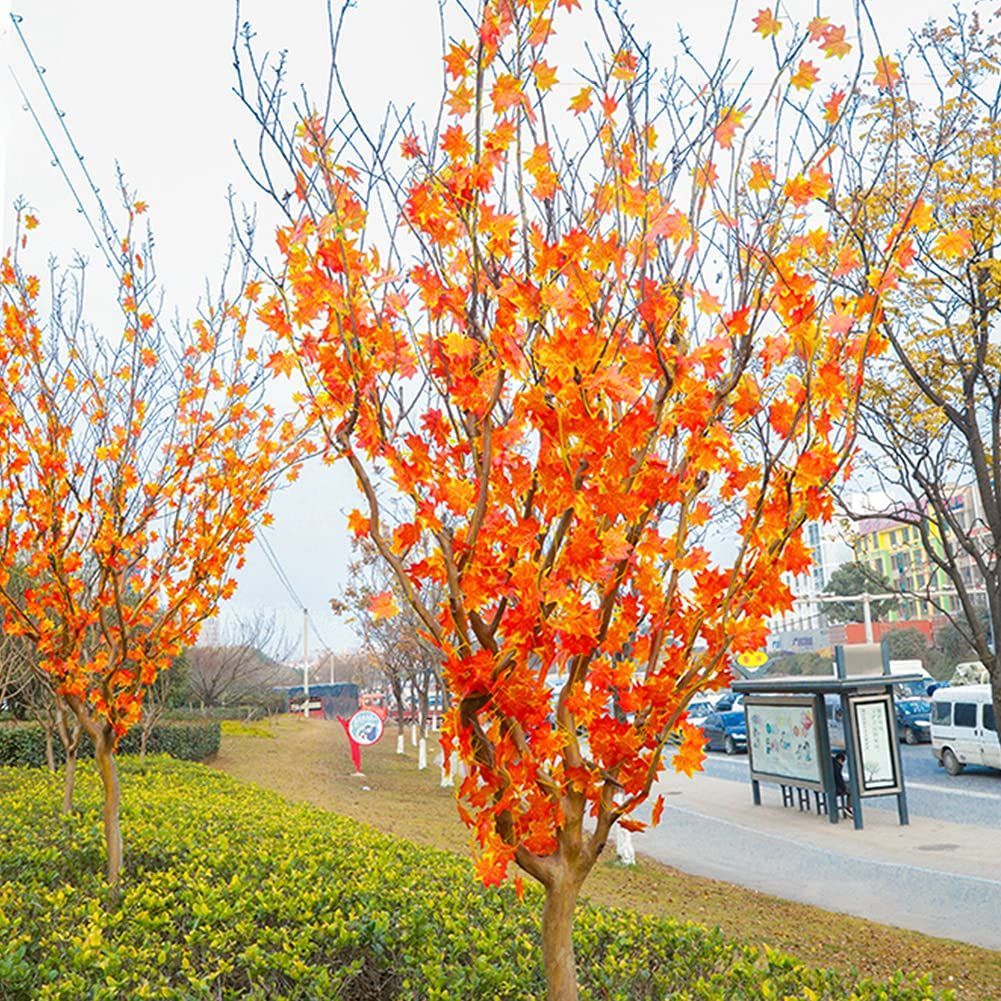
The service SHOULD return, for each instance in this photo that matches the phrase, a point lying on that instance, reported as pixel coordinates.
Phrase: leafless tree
(243, 667)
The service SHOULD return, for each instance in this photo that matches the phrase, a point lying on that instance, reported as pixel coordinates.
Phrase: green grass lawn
(309, 762)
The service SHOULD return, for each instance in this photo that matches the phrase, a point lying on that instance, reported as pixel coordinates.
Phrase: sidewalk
(934, 876)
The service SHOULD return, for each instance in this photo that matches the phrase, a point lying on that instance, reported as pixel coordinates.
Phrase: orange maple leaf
(887, 73)
(455, 143)
(281, 363)
(765, 23)
(832, 107)
(624, 67)
(383, 606)
(731, 120)
(818, 28)
(708, 303)
(457, 61)
(834, 43)
(410, 147)
(581, 101)
(506, 93)
(657, 812)
(761, 176)
(460, 100)
(805, 76)
(920, 216)
(358, 523)
(958, 243)
(545, 75)
(689, 756)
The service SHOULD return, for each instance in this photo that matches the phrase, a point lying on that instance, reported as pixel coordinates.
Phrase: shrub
(192, 740)
(231, 892)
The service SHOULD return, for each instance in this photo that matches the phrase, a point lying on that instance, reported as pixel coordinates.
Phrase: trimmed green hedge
(192, 740)
(231, 892)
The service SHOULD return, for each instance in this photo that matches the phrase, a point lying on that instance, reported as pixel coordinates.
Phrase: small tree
(584, 336)
(396, 643)
(932, 416)
(133, 470)
(851, 579)
(243, 666)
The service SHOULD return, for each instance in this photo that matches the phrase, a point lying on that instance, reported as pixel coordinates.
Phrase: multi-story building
(896, 552)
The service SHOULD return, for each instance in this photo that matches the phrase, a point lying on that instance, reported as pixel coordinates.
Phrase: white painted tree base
(422, 754)
(399, 744)
(413, 734)
(624, 850)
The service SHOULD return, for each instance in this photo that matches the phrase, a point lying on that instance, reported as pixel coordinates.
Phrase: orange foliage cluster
(132, 477)
(562, 406)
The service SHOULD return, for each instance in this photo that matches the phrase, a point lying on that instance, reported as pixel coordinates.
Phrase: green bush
(231, 892)
(191, 740)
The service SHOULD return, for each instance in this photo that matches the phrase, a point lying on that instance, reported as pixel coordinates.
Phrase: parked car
(725, 731)
(964, 729)
(729, 700)
(914, 720)
(698, 709)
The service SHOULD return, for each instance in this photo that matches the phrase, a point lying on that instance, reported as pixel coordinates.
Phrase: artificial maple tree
(593, 335)
(134, 469)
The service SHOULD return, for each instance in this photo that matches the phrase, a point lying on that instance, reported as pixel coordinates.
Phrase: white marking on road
(929, 787)
(856, 858)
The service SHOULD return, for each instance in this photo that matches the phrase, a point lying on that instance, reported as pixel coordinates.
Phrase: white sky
(149, 85)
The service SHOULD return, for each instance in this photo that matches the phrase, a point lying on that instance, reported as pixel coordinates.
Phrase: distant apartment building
(897, 552)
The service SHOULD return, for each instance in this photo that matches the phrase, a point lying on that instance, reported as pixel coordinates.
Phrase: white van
(964, 729)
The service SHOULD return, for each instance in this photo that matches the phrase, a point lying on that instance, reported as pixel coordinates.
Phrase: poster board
(874, 736)
(783, 740)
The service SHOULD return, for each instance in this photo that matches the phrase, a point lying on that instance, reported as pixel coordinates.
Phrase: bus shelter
(793, 731)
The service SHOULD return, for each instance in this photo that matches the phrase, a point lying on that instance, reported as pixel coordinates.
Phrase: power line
(286, 582)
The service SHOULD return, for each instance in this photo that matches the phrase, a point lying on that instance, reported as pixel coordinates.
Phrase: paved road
(974, 797)
(940, 875)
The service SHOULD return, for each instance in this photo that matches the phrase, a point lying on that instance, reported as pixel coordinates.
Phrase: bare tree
(932, 416)
(243, 667)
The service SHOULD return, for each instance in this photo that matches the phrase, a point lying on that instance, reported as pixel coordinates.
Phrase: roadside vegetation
(309, 762)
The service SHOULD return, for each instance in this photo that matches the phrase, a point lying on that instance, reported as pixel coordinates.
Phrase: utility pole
(305, 663)
(867, 617)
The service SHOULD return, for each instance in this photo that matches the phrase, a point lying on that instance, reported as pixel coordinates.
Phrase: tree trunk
(50, 749)
(70, 734)
(557, 940)
(69, 781)
(400, 740)
(105, 758)
(447, 778)
(143, 741)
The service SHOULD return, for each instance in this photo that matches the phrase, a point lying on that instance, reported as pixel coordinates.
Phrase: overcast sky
(149, 85)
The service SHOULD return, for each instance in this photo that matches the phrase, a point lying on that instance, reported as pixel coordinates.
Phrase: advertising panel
(875, 741)
(783, 741)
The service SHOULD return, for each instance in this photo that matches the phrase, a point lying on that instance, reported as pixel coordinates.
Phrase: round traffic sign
(365, 727)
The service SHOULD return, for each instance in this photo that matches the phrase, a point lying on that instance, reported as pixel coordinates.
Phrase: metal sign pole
(853, 763)
(826, 761)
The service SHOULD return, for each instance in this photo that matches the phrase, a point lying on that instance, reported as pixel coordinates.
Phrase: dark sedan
(726, 731)
(914, 720)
